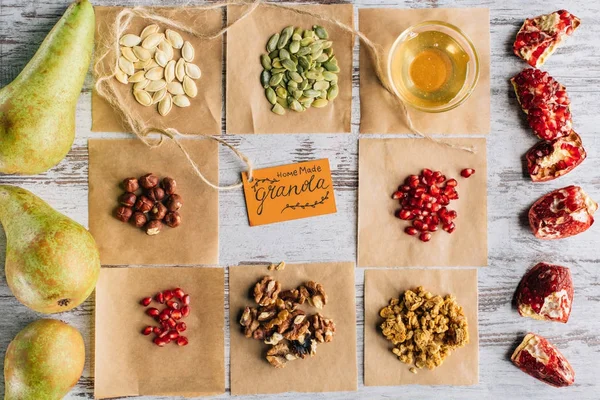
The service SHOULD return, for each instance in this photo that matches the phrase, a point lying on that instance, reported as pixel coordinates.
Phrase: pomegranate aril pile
(176, 306)
(424, 199)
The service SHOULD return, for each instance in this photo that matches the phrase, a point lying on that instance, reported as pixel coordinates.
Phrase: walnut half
(266, 291)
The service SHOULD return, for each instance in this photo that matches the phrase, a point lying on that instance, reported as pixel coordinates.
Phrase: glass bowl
(472, 65)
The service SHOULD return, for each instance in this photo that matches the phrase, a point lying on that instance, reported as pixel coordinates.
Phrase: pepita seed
(312, 93)
(306, 101)
(175, 88)
(128, 54)
(141, 85)
(170, 71)
(181, 101)
(265, 60)
(296, 106)
(305, 50)
(294, 46)
(332, 93)
(161, 58)
(121, 76)
(265, 77)
(192, 70)
(321, 85)
(285, 37)
(307, 41)
(289, 65)
(319, 103)
(322, 58)
(282, 102)
(189, 87)
(141, 53)
(331, 67)
(278, 109)
(281, 92)
(130, 40)
(272, 43)
(271, 95)
(321, 32)
(142, 97)
(155, 73)
(174, 38)
(296, 77)
(296, 37)
(278, 71)
(155, 86)
(327, 44)
(330, 76)
(180, 69)
(159, 95)
(165, 105)
(150, 29)
(187, 51)
(275, 79)
(153, 40)
(137, 77)
(166, 47)
(276, 63)
(297, 94)
(126, 66)
(284, 54)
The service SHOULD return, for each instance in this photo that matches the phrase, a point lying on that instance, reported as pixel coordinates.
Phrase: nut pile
(290, 332)
(300, 69)
(423, 199)
(424, 328)
(157, 204)
(148, 61)
(170, 322)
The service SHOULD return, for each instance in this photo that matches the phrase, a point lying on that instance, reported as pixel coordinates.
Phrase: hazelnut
(169, 185)
(123, 213)
(139, 219)
(143, 204)
(155, 194)
(173, 219)
(158, 211)
(128, 199)
(174, 202)
(148, 181)
(153, 227)
(130, 185)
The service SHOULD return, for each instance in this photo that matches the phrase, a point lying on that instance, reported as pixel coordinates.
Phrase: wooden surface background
(512, 248)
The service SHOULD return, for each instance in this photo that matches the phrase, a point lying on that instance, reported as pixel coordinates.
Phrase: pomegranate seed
(452, 214)
(160, 298)
(397, 195)
(171, 323)
(182, 341)
(168, 295)
(467, 172)
(433, 228)
(147, 330)
(146, 301)
(153, 312)
(404, 188)
(425, 236)
(185, 311)
(411, 230)
(176, 314)
(173, 335)
(418, 224)
(160, 342)
(163, 333)
(165, 315)
(179, 293)
(181, 327)
(451, 182)
(156, 330)
(186, 300)
(404, 214)
(173, 305)
(449, 227)
(427, 173)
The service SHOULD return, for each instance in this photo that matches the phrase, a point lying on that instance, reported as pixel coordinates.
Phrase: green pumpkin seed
(282, 102)
(322, 58)
(298, 32)
(307, 41)
(330, 76)
(296, 77)
(319, 103)
(276, 63)
(303, 85)
(285, 36)
(331, 67)
(312, 74)
(289, 65)
(306, 101)
(278, 70)
(299, 69)
(281, 92)
(296, 37)
(332, 93)
(304, 50)
(274, 54)
(297, 94)
(327, 44)
(321, 85)
(272, 43)
(265, 77)
(316, 47)
(296, 106)
(321, 32)
(284, 54)
(312, 93)
(315, 56)
(271, 96)
(294, 46)
(307, 33)
(323, 94)
(265, 60)
(292, 84)
(303, 62)
(278, 109)
(275, 79)
(328, 51)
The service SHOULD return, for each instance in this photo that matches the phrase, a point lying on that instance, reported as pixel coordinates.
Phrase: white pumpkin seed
(170, 71)
(187, 52)
(161, 58)
(181, 101)
(137, 77)
(130, 40)
(151, 64)
(150, 29)
(140, 64)
(180, 69)
(143, 97)
(141, 85)
(192, 70)
(159, 95)
(121, 76)
(174, 38)
(165, 105)
(175, 88)
(166, 47)
(155, 86)
(126, 66)
(128, 54)
(155, 73)
(152, 40)
(141, 53)
(189, 86)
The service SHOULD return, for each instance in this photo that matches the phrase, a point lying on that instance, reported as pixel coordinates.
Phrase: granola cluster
(278, 321)
(424, 328)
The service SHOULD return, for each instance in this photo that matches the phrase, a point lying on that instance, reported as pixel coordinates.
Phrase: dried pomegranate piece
(533, 86)
(538, 37)
(550, 160)
(540, 359)
(562, 213)
(546, 293)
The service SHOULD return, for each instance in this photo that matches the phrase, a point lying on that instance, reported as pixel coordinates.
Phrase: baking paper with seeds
(379, 110)
(203, 115)
(382, 367)
(333, 368)
(248, 111)
(127, 363)
(383, 166)
(289, 192)
(195, 241)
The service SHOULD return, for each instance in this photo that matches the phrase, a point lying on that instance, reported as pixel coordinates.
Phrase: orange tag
(289, 192)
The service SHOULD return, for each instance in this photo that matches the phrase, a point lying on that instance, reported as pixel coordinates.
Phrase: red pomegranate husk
(549, 160)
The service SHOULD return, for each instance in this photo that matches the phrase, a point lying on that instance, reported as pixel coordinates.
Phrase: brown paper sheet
(383, 165)
(129, 364)
(379, 110)
(382, 367)
(203, 116)
(248, 111)
(195, 241)
(332, 369)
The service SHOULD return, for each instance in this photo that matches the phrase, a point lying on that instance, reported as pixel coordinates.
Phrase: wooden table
(512, 248)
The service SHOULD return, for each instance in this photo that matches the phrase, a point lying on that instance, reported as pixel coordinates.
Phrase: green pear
(37, 109)
(52, 262)
(43, 362)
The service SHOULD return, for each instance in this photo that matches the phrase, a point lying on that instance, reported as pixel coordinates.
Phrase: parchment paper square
(379, 111)
(129, 364)
(248, 111)
(382, 367)
(383, 165)
(203, 116)
(332, 369)
(195, 241)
